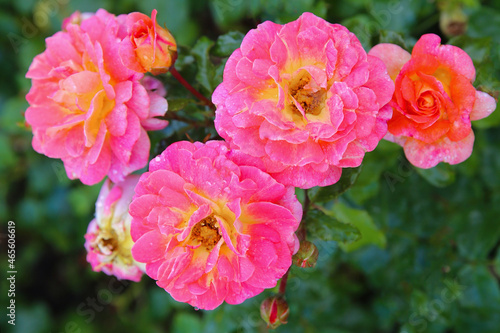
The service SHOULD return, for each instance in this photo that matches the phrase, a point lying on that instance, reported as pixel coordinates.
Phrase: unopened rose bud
(148, 47)
(306, 256)
(274, 311)
(453, 22)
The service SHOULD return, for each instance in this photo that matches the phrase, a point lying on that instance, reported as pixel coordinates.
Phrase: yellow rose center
(302, 91)
(312, 100)
(108, 245)
(206, 233)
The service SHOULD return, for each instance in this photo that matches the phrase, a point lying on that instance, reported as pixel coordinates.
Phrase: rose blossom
(434, 101)
(148, 47)
(211, 228)
(305, 98)
(108, 241)
(86, 107)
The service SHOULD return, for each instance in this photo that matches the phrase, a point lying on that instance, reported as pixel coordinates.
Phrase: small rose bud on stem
(453, 22)
(452, 19)
(274, 311)
(306, 256)
(148, 47)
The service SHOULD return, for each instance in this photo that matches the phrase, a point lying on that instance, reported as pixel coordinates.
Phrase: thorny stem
(189, 87)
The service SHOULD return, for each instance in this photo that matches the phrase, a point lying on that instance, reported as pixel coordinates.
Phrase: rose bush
(211, 224)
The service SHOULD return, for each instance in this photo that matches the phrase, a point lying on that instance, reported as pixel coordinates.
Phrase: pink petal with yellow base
(86, 107)
(298, 95)
(225, 230)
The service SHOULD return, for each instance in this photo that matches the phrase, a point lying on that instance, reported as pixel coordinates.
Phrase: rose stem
(302, 232)
(189, 87)
(301, 235)
(283, 281)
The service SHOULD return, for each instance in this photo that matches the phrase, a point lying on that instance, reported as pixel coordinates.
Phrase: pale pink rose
(211, 228)
(434, 101)
(86, 107)
(148, 47)
(305, 98)
(108, 241)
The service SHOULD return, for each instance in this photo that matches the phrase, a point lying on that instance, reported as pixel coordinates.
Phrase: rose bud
(453, 22)
(306, 256)
(274, 311)
(147, 47)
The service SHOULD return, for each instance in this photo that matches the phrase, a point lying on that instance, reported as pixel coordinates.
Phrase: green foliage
(227, 43)
(401, 249)
(326, 227)
(362, 221)
(327, 193)
(440, 176)
(206, 69)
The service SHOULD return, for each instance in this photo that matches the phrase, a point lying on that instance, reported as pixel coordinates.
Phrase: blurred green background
(428, 259)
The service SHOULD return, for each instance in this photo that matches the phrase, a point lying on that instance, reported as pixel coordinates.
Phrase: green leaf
(226, 44)
(175, 15)
(11, 116)
(478, 233)
(176, 104)
(480, 288)
(327, 193)
(159, 303)
(374, 164)
(419, 301)
(35, 318)
(224, 12)
(82, 198)
(360, 219)
(328, 228)
(206, 69)
(485, 53)
(484, 22)
(7, 156)
(389, 36)
(219, 72)
(186, 323)
(358, 24)
(441, 175)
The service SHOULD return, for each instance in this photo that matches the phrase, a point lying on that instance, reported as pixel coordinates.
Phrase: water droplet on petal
(157, 159)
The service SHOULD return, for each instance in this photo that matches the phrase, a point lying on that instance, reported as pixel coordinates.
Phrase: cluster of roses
(216, 221)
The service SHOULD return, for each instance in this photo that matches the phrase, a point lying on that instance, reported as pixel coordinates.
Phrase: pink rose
(211, 228)
(434, 101)
(148, 47)
(108, 241)
(305, 98)
(86, 107)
